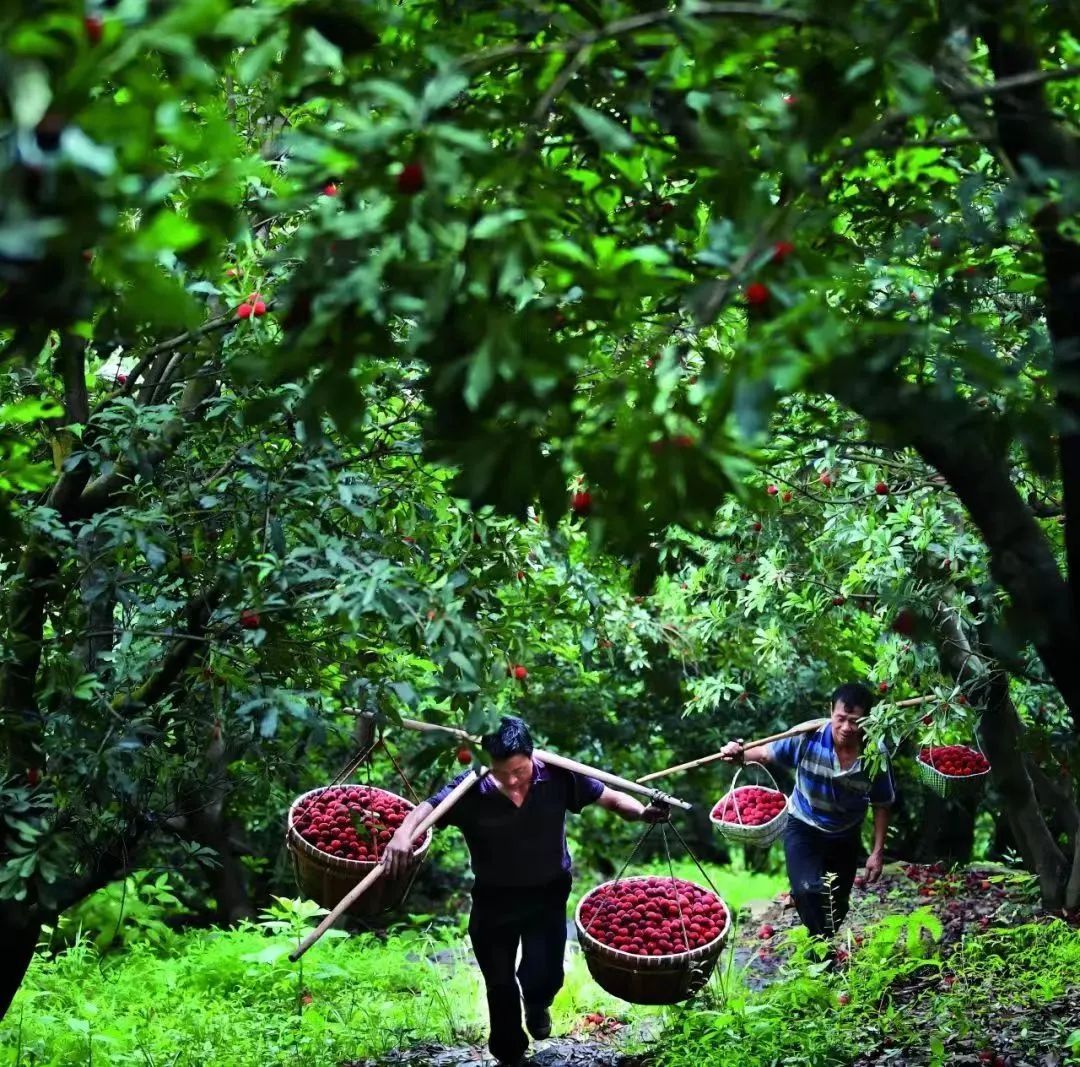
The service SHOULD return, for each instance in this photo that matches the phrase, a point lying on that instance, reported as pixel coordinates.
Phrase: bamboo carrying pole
(559, 761)
(377, 872)
(802, 728)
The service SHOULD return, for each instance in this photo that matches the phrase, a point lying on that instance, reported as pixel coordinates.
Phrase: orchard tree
(579, 257)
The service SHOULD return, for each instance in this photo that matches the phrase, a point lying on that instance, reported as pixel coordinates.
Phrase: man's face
(847, 723)
(513, 772)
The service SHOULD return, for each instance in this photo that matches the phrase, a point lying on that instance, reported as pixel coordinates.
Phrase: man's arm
(625, 806)
(876, 860)
(398, 853)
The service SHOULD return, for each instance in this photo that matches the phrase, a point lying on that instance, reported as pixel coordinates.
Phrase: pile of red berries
(957, 761)
(750, 805)
(653, 916)
(352, 822)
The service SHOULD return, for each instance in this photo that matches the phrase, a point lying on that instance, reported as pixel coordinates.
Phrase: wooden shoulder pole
(802, 728)
(559, 761)
(377, 872)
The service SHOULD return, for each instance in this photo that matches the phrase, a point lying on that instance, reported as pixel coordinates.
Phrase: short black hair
(853, 695)
(512, 738)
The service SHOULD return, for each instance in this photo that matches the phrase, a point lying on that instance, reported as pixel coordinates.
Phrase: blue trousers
(503, 919)
(821, 868)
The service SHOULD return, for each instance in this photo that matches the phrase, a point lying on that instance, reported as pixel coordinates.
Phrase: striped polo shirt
(825, 796)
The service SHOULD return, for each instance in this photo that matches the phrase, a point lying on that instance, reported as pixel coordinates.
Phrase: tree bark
(19, 936)
(1001, 742)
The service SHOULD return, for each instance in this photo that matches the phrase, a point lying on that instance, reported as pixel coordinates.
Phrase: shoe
(538, 1023)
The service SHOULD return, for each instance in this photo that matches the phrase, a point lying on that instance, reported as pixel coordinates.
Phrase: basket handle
(734, 780)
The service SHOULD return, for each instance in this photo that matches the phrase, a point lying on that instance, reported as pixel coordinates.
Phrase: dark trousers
(501, 920)
(821, 868)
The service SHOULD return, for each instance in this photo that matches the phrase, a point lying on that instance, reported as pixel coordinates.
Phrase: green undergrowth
(1010, 992)
(232, 997)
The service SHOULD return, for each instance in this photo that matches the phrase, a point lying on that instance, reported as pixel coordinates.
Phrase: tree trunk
(946, 831)
(19, 936)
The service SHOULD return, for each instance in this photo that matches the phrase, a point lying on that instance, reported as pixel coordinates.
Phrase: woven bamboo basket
(326, 879)
(649, 979)
(950, 785)
(758, 836)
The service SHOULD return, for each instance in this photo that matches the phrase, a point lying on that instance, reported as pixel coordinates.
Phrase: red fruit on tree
(464, 756)
(411, 179)
(33, 776)
(883, 687)
(843, 999)
(790, 99)
(244, 311)
(928, 720)
(881, 489)
(756, 527)
(781, 250)
(520, 673)
(825, 478)
(520, 576)
(94, 26)
(904, 623)
(581, 502)
(838, 601)
(757, 294)
(935, 241)
(744, 576)
(772, 490)
(330, 189)
(961, 699)
(786, 496)
(249, 619)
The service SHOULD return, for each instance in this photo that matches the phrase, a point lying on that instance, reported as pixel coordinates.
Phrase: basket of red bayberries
(337, 835)
(751, 814)
(650, 939)
(952, 770)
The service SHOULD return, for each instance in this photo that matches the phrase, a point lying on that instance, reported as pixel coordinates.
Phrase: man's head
(510, 748)
(850, 705)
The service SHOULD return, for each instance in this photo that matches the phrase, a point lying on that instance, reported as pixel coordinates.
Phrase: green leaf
(607, 133)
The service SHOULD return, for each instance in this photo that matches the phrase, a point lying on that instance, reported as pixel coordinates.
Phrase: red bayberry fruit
(244, 311)
(581, 503)
(94, 26)
(881, 489)
(790, 99)
(757, 294)
(825, 478)
(756, 527)
(330, 189)
(520, 673)
(786, 496)
(843, 999)
(838, 601)
(744, 576)
(781, 250)
(928, 720)
(772, 490)
(249, 619)
(411, 179)
(464, 756)
(883, 687)
(904, 623)
(33, 776)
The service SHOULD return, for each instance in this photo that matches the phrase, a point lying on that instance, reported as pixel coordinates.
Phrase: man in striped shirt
(823, 836)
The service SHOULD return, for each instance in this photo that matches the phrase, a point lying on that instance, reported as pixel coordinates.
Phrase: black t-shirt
(514, 847)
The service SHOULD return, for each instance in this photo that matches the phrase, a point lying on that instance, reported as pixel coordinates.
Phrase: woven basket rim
(299, 843)
(952, 777)
(741, 827)
(644, 963)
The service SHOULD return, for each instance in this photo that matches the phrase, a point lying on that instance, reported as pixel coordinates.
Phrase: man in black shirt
(514, 823)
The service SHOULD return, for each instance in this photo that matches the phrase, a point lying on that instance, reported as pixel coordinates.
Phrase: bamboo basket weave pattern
(759, 836)
(326, 879)
(666, 979)
(949, 785)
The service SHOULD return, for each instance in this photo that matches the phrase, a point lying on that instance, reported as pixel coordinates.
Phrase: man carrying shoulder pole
(823, 836)
(514, 823)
